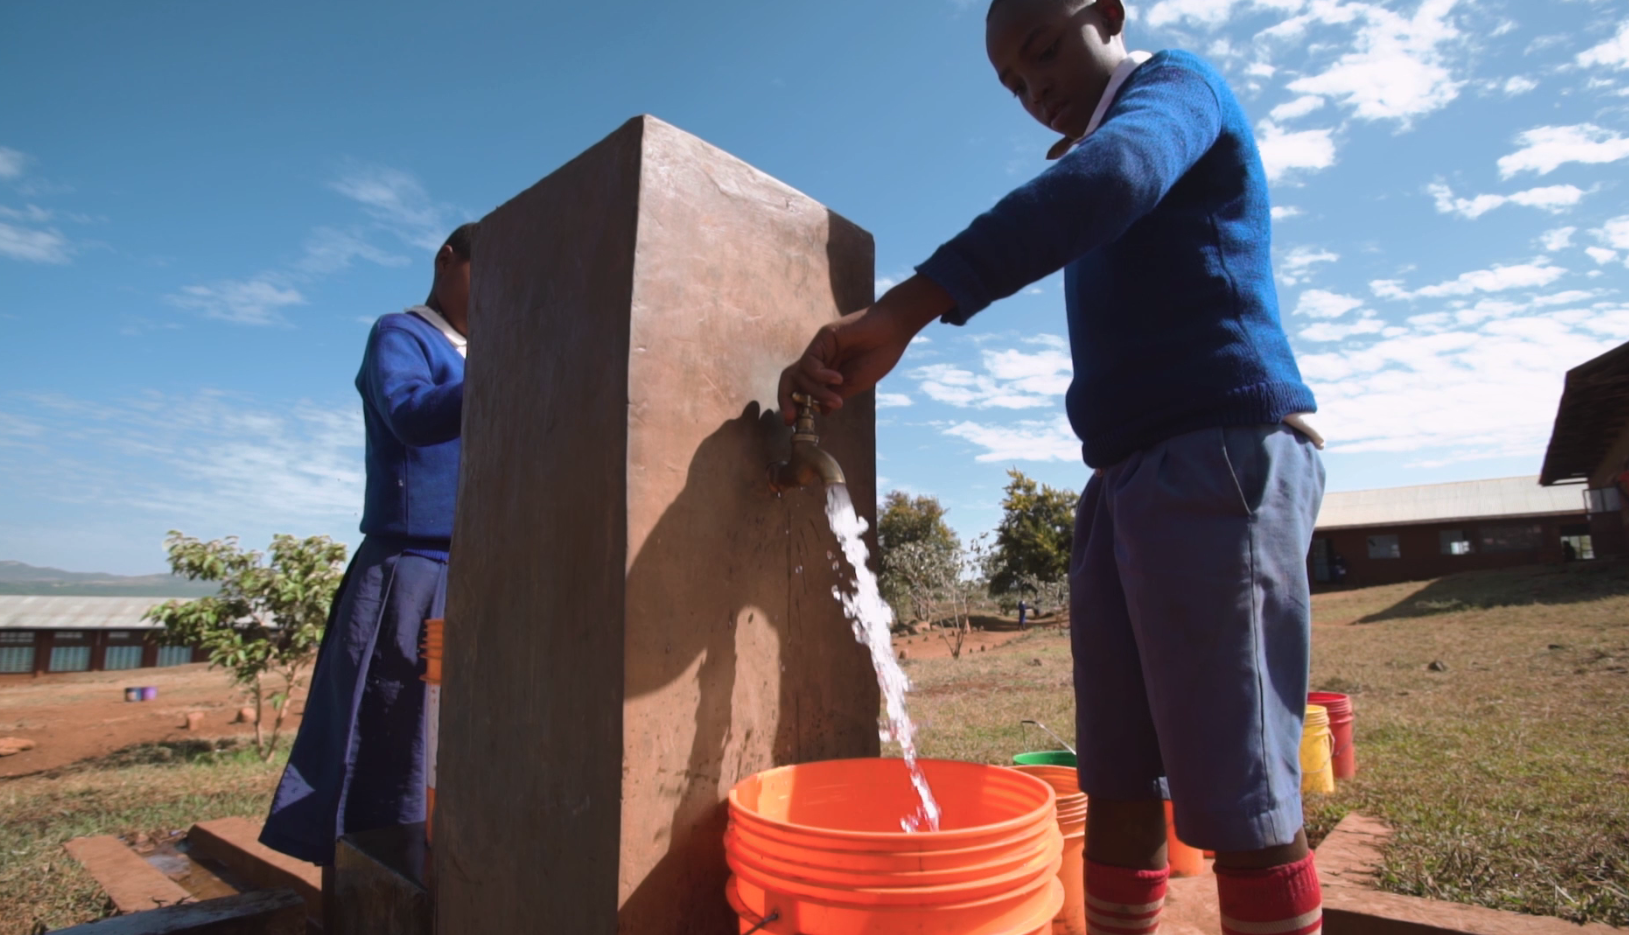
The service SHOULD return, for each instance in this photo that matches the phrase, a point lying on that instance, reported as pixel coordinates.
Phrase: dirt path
(81, 716)
(930, 645)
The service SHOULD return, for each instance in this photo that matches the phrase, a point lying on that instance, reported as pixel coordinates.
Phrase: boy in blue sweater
(1189, 605)
(358, 761)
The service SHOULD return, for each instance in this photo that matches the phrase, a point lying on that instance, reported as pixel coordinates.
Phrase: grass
(150, 788)
(1505, 775)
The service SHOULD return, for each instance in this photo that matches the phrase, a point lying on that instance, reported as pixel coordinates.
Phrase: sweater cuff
(953, 276)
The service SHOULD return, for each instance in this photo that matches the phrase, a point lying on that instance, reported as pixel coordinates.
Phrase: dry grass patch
(1506, 775)
(148, 789)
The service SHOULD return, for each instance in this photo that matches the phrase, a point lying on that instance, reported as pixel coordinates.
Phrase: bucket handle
(1065, 743)
(774, 916)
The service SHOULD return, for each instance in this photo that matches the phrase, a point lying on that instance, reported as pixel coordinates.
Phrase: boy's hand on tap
(853, 353)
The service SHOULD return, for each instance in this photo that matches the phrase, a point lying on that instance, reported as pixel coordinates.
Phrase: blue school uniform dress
(358, 760)
(1189, 606)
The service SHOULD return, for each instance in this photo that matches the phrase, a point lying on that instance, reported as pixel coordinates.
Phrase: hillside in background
(21, 578)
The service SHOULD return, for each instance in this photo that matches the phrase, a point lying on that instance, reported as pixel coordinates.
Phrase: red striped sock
(1123, 902)
(1282, 900)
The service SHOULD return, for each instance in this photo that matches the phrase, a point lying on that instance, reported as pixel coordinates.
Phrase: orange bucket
(433, 637)
(1065, 782)
(818, 848)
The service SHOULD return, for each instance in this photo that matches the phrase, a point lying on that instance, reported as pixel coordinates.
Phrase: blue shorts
(1190, 621)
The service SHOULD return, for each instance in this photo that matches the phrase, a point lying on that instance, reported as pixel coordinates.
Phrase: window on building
(174, 655)
(1603, 500)
(1578, 547)
(1321, 552)
(1515, 537)
(1385, 547)
(1455, 542)
(121, 657)
(16, 651)
(70, 651)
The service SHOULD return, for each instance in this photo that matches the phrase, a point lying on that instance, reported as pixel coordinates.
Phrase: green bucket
(1045, 758)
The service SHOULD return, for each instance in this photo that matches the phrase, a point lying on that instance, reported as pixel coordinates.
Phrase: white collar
(1122, 71)
(458, 341)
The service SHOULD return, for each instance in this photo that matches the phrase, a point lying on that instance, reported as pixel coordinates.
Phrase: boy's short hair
(462, 240)
(1073, 5)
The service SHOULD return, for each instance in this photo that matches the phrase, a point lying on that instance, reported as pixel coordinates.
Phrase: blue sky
(202, 206)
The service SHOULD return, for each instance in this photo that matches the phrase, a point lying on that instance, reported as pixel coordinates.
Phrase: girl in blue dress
(358, 760)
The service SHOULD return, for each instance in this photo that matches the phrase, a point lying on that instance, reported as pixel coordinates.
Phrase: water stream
(871, 618)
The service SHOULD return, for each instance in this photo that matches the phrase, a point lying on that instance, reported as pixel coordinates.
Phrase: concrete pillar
(634, 620)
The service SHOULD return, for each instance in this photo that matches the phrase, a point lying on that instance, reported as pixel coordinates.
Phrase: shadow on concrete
(1551, 585)
(697, 601)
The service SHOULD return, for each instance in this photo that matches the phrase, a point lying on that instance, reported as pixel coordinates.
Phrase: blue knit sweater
(1161, 224)
(412, 386)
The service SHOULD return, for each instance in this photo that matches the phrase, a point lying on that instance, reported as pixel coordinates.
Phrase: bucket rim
(1042, 812)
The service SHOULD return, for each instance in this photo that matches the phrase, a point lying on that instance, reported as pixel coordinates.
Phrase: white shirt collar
(458, 341)
(1122, 71)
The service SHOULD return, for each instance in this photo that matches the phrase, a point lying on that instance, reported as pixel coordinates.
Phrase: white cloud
(1325, 331)
(206, 462)
(1614, 233)
(33, 214)
(1601, 254)
(245, 301)
(11, 163)
(1300, 107)
(1283, 152)
(1613, 52)
(1558, 239)
(1280, 212)
(1296, 266)
(1487, 390)
(1011, 379)
(1545, 149)
(1317, 303)
(1396, 69)
(1540, 272)
(328, 250)
(1028, 440)
(398, 202)
(1519, 84)
(33, 246)
(1552, 198)
(892, 400)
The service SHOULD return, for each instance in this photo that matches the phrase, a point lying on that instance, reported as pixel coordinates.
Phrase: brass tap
(809, 462)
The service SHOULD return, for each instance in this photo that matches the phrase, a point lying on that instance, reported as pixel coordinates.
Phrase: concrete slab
(267, 912)
(235, 844)
(1347, 862)
(131, 883)
(634, 620)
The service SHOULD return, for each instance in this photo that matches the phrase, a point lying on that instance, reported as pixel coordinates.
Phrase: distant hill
(21, 578)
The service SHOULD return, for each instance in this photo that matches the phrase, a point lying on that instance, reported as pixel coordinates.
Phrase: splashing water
(871, 618)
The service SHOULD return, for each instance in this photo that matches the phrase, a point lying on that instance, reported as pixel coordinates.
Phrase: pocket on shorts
(1245, 450)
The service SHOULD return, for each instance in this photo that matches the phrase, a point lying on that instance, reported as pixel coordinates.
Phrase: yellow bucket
(1317, 752)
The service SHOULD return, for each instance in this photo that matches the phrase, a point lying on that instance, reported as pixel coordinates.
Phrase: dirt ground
(933, 644)
(83, 715)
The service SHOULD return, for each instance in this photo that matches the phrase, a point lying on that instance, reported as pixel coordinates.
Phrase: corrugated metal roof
(1591, 418)
(1472, 499)
(55, 612)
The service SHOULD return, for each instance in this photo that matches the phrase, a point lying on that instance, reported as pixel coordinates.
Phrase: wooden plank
(133, 884)
(379, 884)
(235, 843)
(264, 912)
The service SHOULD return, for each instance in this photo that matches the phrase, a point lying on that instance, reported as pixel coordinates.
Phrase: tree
(267, 619)
(905, 519)
(940, 585)
(915, 548)
(1035, 535)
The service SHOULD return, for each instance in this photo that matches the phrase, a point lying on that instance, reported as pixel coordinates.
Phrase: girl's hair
(462, 239)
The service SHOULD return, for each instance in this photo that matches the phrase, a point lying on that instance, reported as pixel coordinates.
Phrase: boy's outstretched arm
(853, 353)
